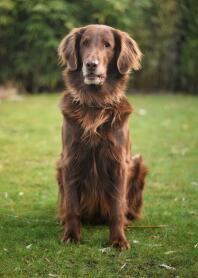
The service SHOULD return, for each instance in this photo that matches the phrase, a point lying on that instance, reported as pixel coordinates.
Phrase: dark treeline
(167, 32)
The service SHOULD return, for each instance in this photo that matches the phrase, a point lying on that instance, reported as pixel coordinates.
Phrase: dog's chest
(95, 185)
(95, 124)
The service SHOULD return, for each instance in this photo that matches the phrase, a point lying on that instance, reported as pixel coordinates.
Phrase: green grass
(166, 135)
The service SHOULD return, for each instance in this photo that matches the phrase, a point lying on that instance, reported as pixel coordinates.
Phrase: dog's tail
(61, 210)
(136, 187)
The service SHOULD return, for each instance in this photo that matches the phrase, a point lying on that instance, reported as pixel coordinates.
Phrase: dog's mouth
(94, 79)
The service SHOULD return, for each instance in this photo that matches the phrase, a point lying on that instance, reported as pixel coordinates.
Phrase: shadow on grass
(43, 226)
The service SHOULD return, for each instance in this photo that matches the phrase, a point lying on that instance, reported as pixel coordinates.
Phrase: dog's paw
(70, 237)
(120, 243)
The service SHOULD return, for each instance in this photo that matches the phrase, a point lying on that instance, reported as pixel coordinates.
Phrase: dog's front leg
(72, 212)
(117, 219)
(117, 236)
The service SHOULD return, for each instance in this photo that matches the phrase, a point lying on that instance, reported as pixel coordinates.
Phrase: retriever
(99, 181)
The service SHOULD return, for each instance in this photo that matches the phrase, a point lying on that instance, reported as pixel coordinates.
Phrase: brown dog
(98, 179)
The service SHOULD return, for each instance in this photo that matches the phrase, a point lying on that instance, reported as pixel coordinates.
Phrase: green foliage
(31, 32)
(29, 231)
(189, 50)
(166, 31)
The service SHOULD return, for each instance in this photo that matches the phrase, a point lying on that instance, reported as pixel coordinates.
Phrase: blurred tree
(188, 67)
(166, 31)
(30, 33)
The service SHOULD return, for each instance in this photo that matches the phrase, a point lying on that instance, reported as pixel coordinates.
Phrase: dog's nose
(92, 65)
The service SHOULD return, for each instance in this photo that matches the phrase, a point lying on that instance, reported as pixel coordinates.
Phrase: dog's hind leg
(136, 186)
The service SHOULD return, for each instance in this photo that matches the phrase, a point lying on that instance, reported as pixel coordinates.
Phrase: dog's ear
(68, 48)
(129, 55)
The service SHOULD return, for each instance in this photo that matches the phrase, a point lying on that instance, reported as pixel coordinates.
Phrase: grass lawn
(164, 129)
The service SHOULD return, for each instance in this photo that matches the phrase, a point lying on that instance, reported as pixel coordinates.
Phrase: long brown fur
(99, 180)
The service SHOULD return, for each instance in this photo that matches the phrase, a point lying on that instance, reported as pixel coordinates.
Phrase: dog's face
(96, 51)
(92, 49)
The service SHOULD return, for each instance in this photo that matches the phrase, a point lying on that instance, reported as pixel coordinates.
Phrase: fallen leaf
(123, 266)
(167, 266)
(175, 151)
(169, 252)
(105, 250)
(47, 260)
(194, 183)
(142, 112)
(5, 249)
(196, 245)
(154, 245)
(136, 241)
(29, 246)
(52, 275)
(21, 193)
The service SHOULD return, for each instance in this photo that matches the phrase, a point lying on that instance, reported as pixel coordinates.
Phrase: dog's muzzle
(94, 79)
(91, 73)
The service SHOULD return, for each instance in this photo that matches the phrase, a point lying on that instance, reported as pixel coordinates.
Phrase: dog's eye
(107, 44)
(85, 42)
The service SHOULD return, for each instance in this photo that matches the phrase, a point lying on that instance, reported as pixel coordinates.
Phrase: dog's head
(95, 50)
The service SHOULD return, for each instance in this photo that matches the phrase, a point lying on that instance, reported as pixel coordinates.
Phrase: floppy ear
(67, 50)
(130, 54)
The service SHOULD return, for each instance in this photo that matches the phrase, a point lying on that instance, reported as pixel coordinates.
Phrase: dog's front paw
(120, 243)
(70, 236)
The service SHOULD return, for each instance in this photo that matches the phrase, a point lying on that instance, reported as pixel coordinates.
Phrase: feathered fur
(98, 178)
